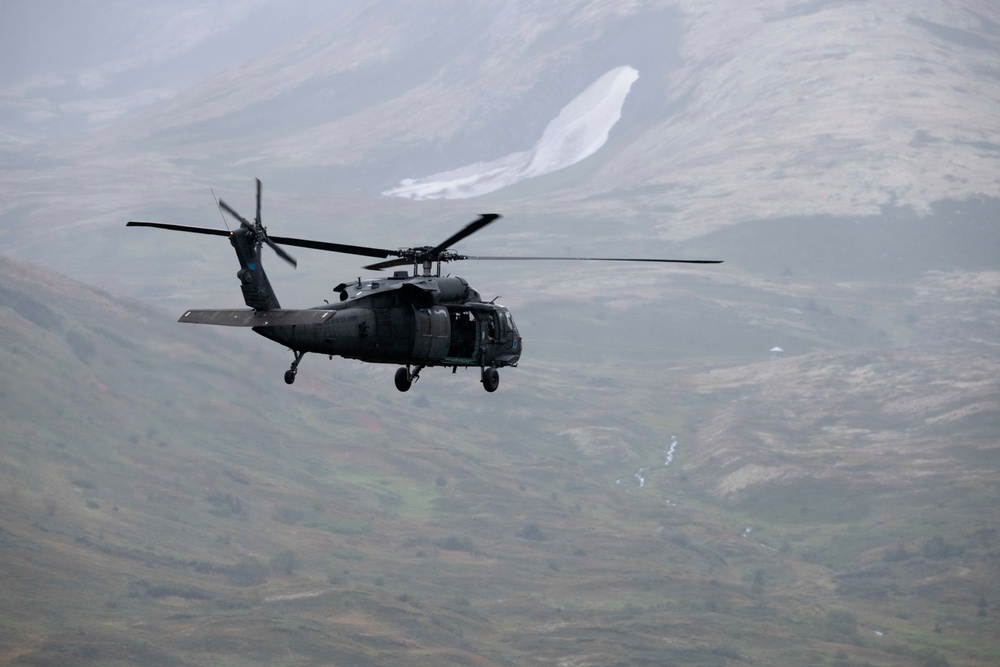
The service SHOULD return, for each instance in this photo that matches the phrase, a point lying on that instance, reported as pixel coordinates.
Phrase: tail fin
(257, 292)
(248, 240)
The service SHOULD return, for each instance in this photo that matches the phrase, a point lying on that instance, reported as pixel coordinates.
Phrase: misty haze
(790, 458)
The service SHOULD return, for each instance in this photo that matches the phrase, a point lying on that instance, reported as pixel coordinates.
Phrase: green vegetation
(285, 562)
(936, 548)
(531, 531)
(225, 504)
(168, 500)
(840, 626)
(248, 572)
(288, 515)
(455, 543)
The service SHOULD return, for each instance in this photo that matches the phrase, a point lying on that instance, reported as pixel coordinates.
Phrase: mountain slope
(647, 487)
(756, 112)
(168, 499)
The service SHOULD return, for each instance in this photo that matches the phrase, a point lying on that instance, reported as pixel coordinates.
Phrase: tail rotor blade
(257, 219)
(231, 211)
(257, 228)
(280, 252)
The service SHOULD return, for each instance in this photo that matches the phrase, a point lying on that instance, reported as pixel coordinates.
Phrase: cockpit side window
(510, 322)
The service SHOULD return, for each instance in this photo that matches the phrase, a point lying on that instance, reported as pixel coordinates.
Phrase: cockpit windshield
(507, 330)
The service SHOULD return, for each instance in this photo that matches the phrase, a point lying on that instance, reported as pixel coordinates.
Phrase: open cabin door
(465, 334)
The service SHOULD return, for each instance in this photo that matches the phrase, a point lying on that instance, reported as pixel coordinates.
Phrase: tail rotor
(257, 229)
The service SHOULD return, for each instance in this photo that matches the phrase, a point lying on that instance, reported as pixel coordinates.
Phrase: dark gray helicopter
(413, 321)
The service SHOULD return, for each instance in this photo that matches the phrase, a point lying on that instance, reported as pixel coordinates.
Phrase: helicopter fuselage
(423, 321)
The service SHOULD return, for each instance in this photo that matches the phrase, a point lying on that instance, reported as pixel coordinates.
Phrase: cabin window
(440, 323)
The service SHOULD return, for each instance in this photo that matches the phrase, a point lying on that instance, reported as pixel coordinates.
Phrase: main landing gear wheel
(403, 381)
(491, 379)
(405, 378)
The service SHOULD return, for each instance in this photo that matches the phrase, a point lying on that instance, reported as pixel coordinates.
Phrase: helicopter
(413, 321)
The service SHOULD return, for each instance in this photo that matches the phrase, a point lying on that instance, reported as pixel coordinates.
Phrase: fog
(652, 482)
(72, 67)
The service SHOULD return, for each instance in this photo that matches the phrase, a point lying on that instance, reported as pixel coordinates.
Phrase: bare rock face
(738, 113)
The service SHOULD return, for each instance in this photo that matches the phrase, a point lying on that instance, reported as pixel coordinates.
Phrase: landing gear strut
(404, 378)
(290, 373)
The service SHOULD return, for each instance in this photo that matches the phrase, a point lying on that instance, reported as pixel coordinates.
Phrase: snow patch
(580, 129)
(670, 452)
(640, 475)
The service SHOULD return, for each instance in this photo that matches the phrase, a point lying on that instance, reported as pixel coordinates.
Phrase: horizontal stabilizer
(244, 317)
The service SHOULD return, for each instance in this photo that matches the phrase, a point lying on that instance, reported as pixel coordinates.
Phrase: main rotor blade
(283, 240)
(605, 259)
(179, 228)
(468, 230)
(335, 247)
(388, 264)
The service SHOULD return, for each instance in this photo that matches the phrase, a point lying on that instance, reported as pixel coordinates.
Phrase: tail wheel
(491, 379)
(291, 372)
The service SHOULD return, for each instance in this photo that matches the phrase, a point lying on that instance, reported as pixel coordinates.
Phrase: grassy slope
(152, 472)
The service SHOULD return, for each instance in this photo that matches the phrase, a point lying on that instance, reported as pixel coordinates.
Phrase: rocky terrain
(651, 485)
(168, 499)
(767, 110)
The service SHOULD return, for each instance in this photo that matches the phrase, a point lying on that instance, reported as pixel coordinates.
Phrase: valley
(167, 499)
(791, 458)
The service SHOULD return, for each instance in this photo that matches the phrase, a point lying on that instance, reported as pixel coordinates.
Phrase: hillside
(650, 486)
(738, 115)
(168, 500)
